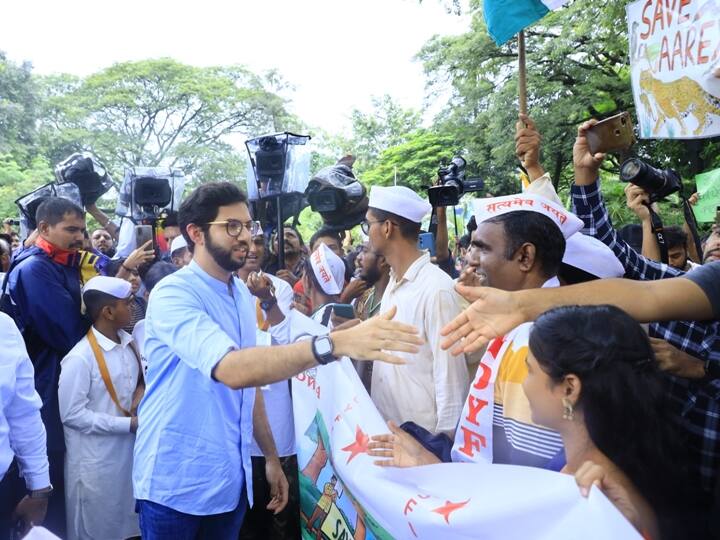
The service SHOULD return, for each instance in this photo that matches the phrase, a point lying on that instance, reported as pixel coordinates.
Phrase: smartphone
(427, 241)
(346, 311)
(143, 233)
(614, 134)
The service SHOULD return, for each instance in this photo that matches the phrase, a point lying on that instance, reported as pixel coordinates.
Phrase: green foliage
(577, 69)
(16, 181)
(162, 112)
(386, 124)
(18, 110)
(414, 162)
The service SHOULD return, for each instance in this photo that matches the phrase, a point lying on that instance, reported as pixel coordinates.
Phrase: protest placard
(344, 495)
(674, 49)
(708, 188)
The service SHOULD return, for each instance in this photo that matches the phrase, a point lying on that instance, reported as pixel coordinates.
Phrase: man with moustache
(192, 473)
(42, 295)
(103, 242)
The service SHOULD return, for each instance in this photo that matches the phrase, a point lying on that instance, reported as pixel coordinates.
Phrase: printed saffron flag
(344, 496)
(505, 18)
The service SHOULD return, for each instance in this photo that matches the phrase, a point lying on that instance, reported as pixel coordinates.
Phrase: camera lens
(630, 170)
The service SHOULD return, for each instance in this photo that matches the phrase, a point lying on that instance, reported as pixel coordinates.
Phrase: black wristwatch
(322, 349)
(266, 305)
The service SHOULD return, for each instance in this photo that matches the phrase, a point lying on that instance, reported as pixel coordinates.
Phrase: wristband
(41, 493)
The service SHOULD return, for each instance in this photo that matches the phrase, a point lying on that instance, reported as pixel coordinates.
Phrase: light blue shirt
(192, 451)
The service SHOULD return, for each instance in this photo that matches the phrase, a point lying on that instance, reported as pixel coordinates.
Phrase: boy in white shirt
(101, 384)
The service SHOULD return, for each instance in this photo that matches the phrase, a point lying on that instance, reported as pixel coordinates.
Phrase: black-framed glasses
(235, 228)
(365, 224)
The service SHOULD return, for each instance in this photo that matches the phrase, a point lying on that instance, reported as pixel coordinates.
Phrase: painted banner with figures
(674, 58)
(344, 496)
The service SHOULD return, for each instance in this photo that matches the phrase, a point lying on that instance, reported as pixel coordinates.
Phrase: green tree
(16, 180)
(414, 162)
(18, 110)
(162, 112)
(577, 69)
(386, 124)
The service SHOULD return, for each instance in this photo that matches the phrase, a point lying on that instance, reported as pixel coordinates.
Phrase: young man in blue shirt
(192, 473)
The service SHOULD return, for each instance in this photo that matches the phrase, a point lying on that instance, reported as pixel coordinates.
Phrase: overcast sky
(337, 53)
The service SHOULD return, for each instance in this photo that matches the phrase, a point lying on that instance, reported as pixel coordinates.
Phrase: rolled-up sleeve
(26, 431)
(74, 396)
(177, 318)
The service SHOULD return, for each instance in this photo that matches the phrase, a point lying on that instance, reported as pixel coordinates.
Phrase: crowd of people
(144, 391)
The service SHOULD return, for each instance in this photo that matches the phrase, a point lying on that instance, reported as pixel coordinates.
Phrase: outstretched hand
(370, 339)
(491, 314)
(400, 449)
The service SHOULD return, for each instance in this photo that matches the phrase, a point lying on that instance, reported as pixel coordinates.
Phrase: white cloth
(592, 256)
(568, 222)
(543, 186)
(99, 444)
(430, 389)
(119, 288)
(138, 335)
(278, 402)
(126, 238)
(177, 244)
(329, 270)
(22, 433)
(401, 201)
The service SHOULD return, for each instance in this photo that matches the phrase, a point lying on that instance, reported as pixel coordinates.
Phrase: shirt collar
(107, 344)
(414, 269)
(218, 286)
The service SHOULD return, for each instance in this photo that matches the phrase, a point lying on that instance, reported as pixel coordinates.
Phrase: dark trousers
(55, 518)
(262, 524)
(158, 522)
(12, 490)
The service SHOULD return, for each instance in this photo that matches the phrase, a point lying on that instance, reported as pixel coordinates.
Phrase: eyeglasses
(235, 228)
(365, 224)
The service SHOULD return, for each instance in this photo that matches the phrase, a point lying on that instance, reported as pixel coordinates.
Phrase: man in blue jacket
(42, 295)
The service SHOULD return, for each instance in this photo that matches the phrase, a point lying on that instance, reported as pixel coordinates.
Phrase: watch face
(323, 346)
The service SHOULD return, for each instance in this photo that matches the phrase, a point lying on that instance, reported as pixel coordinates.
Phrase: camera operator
(688, 351)
(638, 200)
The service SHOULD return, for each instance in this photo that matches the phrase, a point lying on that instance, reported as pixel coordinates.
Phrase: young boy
(101, 384)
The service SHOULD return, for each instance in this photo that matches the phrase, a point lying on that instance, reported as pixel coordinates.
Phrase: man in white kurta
(430, 388)
(98, 439)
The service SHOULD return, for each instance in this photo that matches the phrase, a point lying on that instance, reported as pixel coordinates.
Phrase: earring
(568, 412)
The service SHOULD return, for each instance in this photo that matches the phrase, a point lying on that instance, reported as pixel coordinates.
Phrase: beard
(223, 257)
(371, 276)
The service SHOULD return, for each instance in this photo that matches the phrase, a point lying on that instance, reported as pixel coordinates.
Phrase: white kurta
(99, 445)
(430, 389)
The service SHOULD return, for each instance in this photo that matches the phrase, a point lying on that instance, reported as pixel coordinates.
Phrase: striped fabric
(505, 18)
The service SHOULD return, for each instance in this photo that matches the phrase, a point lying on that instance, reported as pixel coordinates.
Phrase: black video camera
(658, 183)
(454, 184)
(270, 163)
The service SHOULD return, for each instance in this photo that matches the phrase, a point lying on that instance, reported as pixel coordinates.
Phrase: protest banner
(345, 496)
(674, 48)
(708, 189)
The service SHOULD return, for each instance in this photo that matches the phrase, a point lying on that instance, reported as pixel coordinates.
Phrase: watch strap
(322, 359)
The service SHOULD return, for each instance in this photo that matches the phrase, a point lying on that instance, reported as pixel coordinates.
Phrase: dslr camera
(454, 184)
(658, 183)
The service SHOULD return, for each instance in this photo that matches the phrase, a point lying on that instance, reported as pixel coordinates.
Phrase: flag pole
(522, 73)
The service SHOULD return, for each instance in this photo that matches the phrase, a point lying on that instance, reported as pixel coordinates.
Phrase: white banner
(344, 496)
(674, 48)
